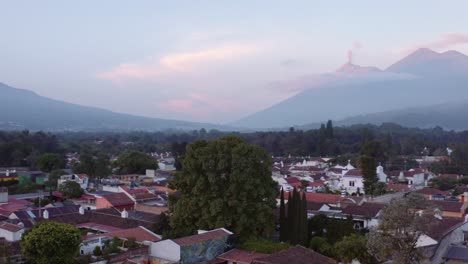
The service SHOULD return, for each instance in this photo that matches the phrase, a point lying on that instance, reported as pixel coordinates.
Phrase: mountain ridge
(25, 109)
(409, 82)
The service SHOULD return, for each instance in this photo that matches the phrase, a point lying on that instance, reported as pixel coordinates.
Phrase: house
(11, 232)
(365, 215)
(120, 201)
(294, 182)
(31, 176)
(8, 175)
(353, 182)
(166, 165)
(203, 247)
(141, 235)
(81, 179)
(449, 208)
(444, 233)
(296, 255)
(239, 256)
(415, 177)
(433, 194)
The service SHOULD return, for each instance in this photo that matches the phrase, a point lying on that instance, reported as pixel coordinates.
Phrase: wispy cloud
(176, 63)
(443, 42)
(198, 105)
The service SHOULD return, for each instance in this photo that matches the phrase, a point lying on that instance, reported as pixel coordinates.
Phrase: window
(351, 183)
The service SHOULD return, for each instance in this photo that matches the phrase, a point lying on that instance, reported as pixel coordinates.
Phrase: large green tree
(135, 162)
(51, 243)
(225, 183)
(71, 189)
(50, 161)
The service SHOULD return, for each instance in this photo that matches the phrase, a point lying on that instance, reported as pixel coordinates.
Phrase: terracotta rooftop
(10, 227)
(353, 173)
(118, 199)
(241, 256)
(296, 255)
(448, 206)
(441, 227)
(431, 191)
(213, 234)
(140, 234)
(367, 209)
(292, 180)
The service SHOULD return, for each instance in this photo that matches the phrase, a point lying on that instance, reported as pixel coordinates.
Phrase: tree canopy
(51, 243)
(49, 162)
(135, 162)
(225, 183)
(71, 189)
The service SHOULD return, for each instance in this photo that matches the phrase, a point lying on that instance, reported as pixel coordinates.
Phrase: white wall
(11, 236)
(358, 183)
(87, 247)
(165, 249)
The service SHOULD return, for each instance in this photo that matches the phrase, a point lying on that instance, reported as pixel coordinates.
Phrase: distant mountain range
(413, 92)
(24, 109)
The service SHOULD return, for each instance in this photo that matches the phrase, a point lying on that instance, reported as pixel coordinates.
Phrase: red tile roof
(10, 227)
(366, 210)
(82, 176)
(397, 187)
(431, 191)
(441, 227)
(292, 180)
(316, 183)
(323, 197)
(118, 199)
(296, 255)
(448, 206)
(209, 235)
(353, 173)
(140, 234)
(241, 256)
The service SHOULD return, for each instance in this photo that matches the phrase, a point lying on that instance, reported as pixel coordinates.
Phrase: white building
(353, 182)
(11, 232)
(81, 179)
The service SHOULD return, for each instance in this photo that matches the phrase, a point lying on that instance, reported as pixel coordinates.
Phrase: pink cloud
(173, 64)
(443, 42)
(198, 105)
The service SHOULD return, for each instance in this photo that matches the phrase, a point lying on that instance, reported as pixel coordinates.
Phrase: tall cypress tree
(297, 218)
(303, 221)
(283, 221)
(290, 219)
(369, 174)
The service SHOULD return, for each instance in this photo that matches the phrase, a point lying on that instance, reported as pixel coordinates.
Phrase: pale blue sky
(213, 60)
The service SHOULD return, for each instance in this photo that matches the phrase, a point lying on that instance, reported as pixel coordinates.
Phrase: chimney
(45, 214)
(124, 214)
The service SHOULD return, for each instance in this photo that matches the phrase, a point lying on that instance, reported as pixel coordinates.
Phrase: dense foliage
(24, 148)
(135, 162)
(71, 189)
(51, 243)
(224, 183)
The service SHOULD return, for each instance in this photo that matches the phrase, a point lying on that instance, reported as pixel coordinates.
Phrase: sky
(211, 61)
